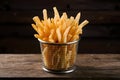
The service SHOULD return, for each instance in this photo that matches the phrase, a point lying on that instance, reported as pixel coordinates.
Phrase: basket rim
(41, 41)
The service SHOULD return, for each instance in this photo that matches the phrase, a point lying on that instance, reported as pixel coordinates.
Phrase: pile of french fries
(59, 57)
(58, 30)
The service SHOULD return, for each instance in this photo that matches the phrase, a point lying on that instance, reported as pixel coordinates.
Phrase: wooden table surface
(88, 66)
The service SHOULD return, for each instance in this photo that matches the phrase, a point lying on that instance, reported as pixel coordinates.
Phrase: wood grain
(88, 66)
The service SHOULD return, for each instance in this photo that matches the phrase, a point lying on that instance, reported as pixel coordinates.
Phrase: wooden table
(96, 66)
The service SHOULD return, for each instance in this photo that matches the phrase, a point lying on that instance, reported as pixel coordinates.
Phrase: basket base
(60, 71)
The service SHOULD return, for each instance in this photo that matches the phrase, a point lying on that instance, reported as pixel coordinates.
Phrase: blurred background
(101, 35)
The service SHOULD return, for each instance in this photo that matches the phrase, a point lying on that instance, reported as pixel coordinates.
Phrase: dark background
(101, 35)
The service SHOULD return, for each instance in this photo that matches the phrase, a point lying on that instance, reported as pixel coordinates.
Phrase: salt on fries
(58, 29)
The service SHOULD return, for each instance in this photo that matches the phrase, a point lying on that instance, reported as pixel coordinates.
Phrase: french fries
(61, 30)
(63, 26)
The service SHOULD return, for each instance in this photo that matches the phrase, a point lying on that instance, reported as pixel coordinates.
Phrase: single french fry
(38, 29)
(65, 34)
(55, 60)
(49, 23)
(37, 36)
(45, 56)
(64, 26)
(73, 56)
(36, 19)
(56, 13)
(45, 14)
(62, 19)
(51, 39)
(51, 33)
(55, 37)
(77, 18)
(65, 16)
(46, 29)
(34, 27)
(59, 35)
(71, 20)
(45, 23)
(68, 58)
(85, 22)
